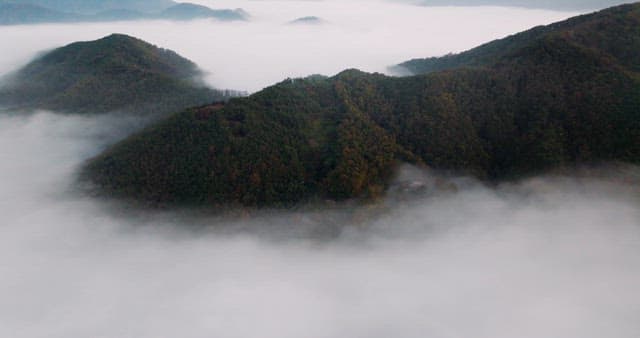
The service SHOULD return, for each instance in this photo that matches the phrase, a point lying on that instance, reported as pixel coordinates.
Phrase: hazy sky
(549, 257)
(369, 35)
(548, 4)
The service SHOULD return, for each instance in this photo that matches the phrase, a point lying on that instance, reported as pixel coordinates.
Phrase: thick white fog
(547, 257)
(550, 257)
(369, 35)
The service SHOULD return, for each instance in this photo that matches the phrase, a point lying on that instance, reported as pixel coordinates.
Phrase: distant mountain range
(554, 96)
(96, 6)
(14, 13)
(116, 73)
(187, 11)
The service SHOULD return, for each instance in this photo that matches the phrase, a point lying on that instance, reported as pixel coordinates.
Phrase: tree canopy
(560, 95)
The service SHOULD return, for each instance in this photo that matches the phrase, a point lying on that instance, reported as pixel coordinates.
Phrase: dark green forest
(115, 73)
(554, 96)
(614, 30)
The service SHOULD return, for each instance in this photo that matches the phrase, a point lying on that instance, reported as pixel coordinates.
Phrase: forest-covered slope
(614, 31)
(565, 97)
(115, 73)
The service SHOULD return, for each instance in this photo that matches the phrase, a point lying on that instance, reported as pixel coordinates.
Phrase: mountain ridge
(490, 53)
(556, 100)
(90, 7)
(14, 13)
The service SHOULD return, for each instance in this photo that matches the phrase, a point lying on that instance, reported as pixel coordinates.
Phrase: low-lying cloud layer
(550, 257)
(369, 35)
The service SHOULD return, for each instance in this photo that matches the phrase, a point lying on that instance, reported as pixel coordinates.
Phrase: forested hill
(115, 73)
(569, 97)
(616, 30)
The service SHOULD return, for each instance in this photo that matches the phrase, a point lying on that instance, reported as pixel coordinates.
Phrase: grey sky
(547, 4)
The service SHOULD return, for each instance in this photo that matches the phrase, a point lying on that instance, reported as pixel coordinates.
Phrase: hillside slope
(115, 73)
(569, 97)
(613, 36)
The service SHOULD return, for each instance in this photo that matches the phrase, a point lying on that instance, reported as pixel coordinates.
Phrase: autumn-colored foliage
(570, 94)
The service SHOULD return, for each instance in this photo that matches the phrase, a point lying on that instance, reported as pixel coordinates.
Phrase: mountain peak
(116, 72)
(120, 37)
(556, 96)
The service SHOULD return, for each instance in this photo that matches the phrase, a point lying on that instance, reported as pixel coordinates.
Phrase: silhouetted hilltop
(307, 20)
(189, 11)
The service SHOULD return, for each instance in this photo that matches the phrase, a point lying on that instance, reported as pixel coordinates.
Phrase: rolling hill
(557, 96)
(115, 73)
(611, 35)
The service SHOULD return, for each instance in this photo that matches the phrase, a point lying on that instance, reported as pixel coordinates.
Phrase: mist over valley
(380, 35)
(537, 258)
(437, 253)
